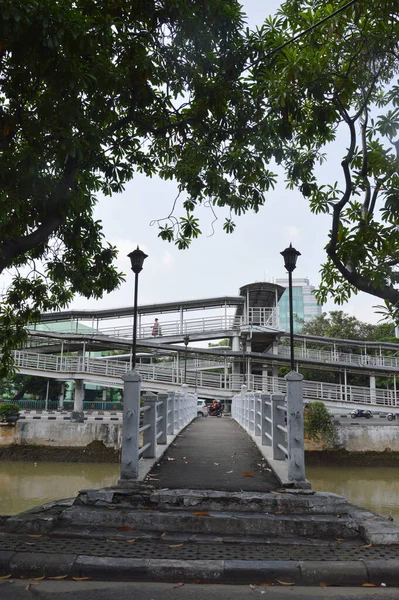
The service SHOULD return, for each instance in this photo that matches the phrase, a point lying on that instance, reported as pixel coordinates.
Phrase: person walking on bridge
(156, 328)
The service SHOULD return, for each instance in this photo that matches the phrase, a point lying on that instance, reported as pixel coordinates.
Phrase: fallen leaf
(58, 577)
(338, 516)
(35, 535)
(111, 507)
(252, 586)
(340, 539)
(125, 528)
(81, 578)
(38, 578)
(163, 534)
(369, 585)
(229, 471)
(131, 541)
(114, 541)
(323, 585)
(178, 585)
(6, 576)
(285, 582)
(201, 513)
(176, 545)
(372, 518)
(367, 546)
(184, 457)
(196, 581)
(217, 464)
(247, 475)
(170, 458)
(273, 492)
(27, 589)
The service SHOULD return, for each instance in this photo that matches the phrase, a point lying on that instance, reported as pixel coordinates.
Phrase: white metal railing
(266, 317)
(168, 373)
(333, 356)
(159, 418)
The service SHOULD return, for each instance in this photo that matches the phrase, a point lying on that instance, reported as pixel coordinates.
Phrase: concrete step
(301, 502)
(217, 523)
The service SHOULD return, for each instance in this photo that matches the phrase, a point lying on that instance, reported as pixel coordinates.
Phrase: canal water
(24, 485)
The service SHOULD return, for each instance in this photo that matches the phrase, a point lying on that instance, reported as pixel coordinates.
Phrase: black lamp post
(244, 348)
(186, 340)
(290, 256)
(137, 258)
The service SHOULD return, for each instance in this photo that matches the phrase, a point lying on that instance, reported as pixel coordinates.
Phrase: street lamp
(137, 258)
(186, 340)
(244, 348)
(290, 256)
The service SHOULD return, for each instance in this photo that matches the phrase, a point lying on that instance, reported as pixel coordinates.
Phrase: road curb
(307, 573)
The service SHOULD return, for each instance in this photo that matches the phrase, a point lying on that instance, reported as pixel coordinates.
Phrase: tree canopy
(337, 324)
(94, 91)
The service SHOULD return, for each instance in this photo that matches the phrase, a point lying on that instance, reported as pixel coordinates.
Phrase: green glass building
(305, 305)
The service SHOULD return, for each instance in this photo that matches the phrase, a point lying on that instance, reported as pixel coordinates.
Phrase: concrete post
(373, 394)
(130, 428)
(150, 421)
(296, 443)
(183, 406)
(258, 414)
(251, 413)
(61, 397)
(77, 414)
(266, 420)
(278, 424)
(163, 414)
(171, 413)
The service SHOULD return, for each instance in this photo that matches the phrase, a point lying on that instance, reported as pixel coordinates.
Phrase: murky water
(25, 485)
(376, 488)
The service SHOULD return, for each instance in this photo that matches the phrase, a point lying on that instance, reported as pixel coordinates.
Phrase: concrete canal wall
(61, 434)
(351, 437)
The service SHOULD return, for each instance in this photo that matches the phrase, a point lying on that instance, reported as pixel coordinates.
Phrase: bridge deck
(216, 454)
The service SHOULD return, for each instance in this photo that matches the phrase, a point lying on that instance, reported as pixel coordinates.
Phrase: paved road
(73, 590)
(216, 454)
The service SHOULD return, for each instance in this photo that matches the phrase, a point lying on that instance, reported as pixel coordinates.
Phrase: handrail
(167, 373)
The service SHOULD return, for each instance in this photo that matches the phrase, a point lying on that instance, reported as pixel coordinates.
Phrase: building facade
(305, 305)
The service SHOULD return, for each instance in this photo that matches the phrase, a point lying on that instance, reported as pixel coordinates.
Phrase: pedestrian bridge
(165, 377)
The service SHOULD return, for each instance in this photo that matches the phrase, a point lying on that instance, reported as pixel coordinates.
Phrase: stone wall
(62, 433)
(362, 438)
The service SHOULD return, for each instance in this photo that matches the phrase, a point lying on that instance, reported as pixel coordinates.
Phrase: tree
(92, 92)
(338, 324)
(331, 78)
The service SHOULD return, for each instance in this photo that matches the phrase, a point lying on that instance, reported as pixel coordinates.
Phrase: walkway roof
(145, 309)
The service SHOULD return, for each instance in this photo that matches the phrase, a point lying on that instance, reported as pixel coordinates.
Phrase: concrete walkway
(217, 454)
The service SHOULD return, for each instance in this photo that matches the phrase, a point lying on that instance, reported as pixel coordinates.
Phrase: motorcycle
(391, 416)
(215, 412)
(361, 412)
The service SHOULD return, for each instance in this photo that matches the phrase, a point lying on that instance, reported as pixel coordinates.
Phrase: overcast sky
(217, 264)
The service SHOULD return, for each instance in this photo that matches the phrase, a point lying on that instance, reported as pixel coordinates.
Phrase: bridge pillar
(373, 394)
(130, 427)
(61, 397)
(77, 413)
(295, 430)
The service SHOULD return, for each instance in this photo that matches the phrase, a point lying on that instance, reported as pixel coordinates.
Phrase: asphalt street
(86, 590)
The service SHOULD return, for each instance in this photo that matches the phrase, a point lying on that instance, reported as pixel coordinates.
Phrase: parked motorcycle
(215, 412)
(361, 412)
(391, 416)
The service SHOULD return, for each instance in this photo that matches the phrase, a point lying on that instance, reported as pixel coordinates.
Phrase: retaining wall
(61, 433)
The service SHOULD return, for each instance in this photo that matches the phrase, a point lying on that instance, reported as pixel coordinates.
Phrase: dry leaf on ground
(39, 578)
(366, 546)
(178, 585)
(252, 586)
(34, 535)
(340, 539)
(175, 545)
(201, 513)
(125, 528)
(81, 578)
(285, 582)
(228, 472)
(111, 507)
(247, 475)
(58, 577)
(6, 576)
(323, 585)
(131, 541)
(369, 585)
